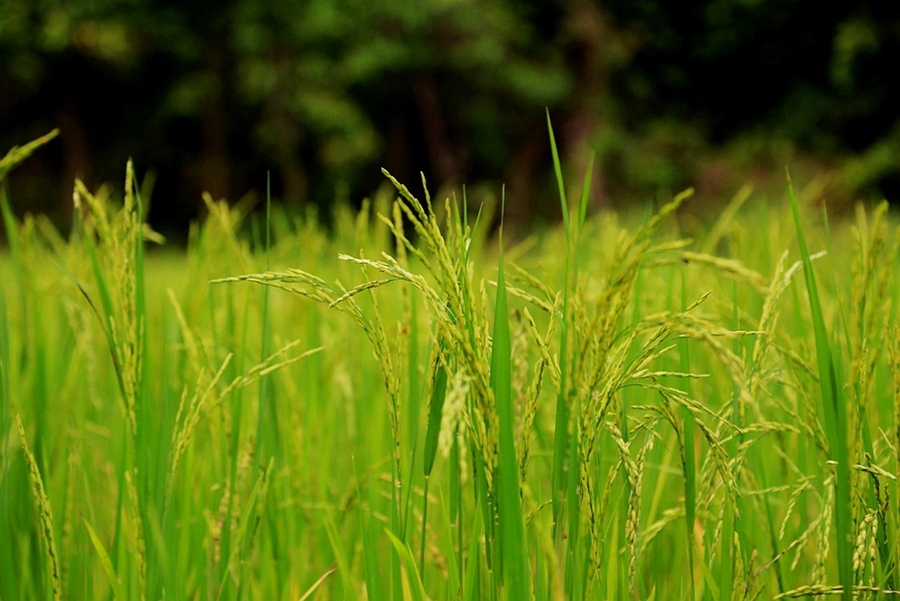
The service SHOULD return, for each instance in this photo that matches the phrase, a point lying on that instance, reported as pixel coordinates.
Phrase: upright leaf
(835, 410)
(513, 554)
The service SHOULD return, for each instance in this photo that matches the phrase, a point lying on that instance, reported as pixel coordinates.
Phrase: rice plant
(413, 405)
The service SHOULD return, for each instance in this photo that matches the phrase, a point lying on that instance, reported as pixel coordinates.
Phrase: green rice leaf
(250, 511)
(105, 563)
(514, 558)
(557, 168)
(413, 588)
(586, 191)
(835, 411)
(340, 554)
(688, 460)
(317, 584)
(374, 586)
(435, 408)
(472, 588)
(561, 459)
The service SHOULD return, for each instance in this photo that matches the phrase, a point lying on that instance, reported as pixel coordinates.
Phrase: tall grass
(406, 406)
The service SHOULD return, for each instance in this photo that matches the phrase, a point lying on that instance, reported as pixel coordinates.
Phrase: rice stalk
(139, 534)
(249, 521)
(17, 154)
(116, 257)
(188, 416)
(894, 361)
(821, 590)
(533, 392)
(45, 512)
(685, 436)
(871, 268)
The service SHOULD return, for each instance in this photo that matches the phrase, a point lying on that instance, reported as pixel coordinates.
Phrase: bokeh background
(210, 95)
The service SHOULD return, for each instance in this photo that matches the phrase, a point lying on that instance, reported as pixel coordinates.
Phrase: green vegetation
(408, 407)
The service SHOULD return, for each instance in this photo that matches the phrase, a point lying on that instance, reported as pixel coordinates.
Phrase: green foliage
(706, 458)
(322, 92)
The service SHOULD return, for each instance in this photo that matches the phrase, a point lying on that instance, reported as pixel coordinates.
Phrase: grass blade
(586, 192)
(412, 581)
(432, 433)
(251, 510)
(6, 520)
(835, 410)
(267, 431)
(472, 585)
(561, 460)
(514, 559)
(340, 556)
(435, 408)
(105, 563)
(730, 511)
(317, 584)
(374, 586)
(688, 461)
(557, 169)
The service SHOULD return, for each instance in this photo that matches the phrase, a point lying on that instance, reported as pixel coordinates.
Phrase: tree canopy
(211, 95)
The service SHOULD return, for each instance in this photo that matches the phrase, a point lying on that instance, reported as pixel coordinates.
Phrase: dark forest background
(210, 95)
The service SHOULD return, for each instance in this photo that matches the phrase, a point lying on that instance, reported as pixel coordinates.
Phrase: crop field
(409, 405)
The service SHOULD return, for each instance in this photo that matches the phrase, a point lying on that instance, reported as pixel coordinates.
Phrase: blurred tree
(816, 74)
(325, 92)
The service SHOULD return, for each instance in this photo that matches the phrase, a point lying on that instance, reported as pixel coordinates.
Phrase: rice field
(408, 405)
